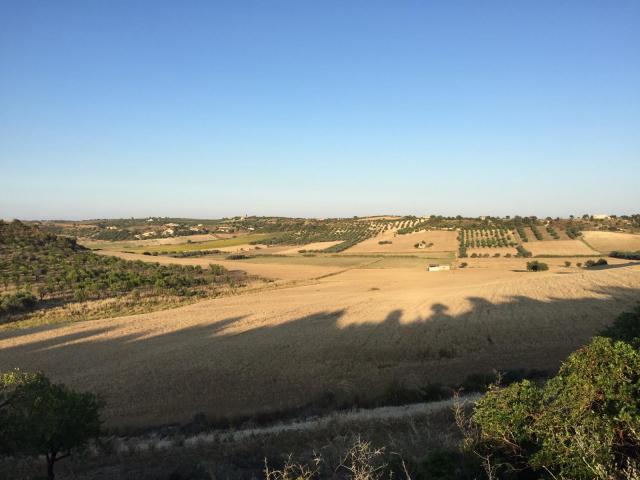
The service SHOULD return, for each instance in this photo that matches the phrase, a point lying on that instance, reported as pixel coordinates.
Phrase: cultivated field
(608, 241)
(559, 247)
(348, 334)
(442, 240)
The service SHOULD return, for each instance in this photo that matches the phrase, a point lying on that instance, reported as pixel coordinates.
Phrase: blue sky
(318, 108)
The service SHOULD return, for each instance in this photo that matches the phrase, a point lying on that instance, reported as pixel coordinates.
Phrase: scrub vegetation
(40, 272)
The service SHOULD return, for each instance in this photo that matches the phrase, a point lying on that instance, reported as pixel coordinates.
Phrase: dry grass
(350, 334)
(309, 246)
(327, 450)
(606, 242)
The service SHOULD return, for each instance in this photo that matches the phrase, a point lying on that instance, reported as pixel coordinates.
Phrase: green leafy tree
(38, 417)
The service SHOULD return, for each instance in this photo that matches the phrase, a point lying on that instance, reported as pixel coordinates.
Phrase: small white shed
(434, 267)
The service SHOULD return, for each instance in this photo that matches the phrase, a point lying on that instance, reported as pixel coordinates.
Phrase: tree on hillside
(38, 417)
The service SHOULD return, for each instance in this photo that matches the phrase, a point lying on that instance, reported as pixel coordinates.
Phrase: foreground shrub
(536, 266)
(581, 424)
(626, 327)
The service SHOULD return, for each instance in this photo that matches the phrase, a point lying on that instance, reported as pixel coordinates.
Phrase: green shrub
(625, 255)
(567, 263)
(595, 263)
(582, 421)
(523, 252)
(17, 302)
(217, 269)
(626, 327)
(237, 256)
(536, 266)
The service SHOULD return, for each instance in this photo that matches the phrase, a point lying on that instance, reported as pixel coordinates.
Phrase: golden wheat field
(559, 247)
(343, 331)
(608, 241)
(443, 240)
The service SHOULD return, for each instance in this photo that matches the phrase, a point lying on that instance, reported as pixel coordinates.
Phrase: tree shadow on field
(243, 365)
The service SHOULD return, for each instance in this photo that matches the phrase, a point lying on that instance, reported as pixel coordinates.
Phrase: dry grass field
(343, 331)
(606, 242)
(559, 247)
(443, 241)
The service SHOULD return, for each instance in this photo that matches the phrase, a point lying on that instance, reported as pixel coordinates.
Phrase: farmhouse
(434, 267)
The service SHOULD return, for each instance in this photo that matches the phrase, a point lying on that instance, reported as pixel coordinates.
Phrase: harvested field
(443, 241)
(606, 242)
(559, 247)
(308, 246)
(131, 244)
(279, 271)
(352, 333)
(217, 244)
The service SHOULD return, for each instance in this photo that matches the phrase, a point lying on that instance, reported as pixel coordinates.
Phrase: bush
(584, 420)
(536, 266)
(626, 255)
(463, 265)
(17, 302)
(598, 263)
(579, 264)
(626, 327)
(567, 264)
(237, 256)
(523, 252)
(217, 269)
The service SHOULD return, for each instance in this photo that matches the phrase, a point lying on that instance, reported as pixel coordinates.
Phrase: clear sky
(318, 108)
